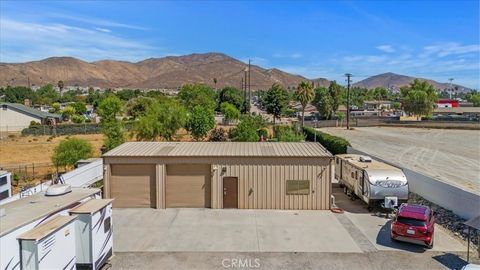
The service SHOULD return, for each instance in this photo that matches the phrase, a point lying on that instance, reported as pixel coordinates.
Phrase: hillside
(394, 81)
(167, 72)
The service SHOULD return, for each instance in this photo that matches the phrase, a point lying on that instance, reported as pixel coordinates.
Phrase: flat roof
(90, 207)
(219, 149)
(47, 228)
(373, 165)
(28, 209)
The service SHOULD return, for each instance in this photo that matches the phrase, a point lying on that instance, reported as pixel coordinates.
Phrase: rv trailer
(51, 245)
(93, 227)
(25, 214)
(371, 180)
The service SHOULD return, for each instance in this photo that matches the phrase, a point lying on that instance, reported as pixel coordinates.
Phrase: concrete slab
(201, 230)
(377, 228)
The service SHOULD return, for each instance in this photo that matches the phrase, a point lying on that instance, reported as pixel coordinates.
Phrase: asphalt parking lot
(204, 238)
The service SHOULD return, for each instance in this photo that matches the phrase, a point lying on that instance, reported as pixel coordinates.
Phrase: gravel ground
(448, 155)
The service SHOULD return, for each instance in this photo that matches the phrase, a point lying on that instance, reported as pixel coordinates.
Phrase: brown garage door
(188, 185)
(133, 185)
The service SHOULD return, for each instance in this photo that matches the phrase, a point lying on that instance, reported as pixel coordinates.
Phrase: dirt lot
(448, 155)
(29, 156)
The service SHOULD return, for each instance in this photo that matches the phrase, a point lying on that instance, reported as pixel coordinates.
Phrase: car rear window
(411, 221)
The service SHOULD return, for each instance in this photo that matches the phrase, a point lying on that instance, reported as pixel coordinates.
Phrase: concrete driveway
(229, 231)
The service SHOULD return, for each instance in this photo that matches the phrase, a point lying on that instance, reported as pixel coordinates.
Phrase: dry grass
(38, 149)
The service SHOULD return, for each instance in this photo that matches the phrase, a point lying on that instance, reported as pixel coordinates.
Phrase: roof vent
(58, 189)
(365, 159)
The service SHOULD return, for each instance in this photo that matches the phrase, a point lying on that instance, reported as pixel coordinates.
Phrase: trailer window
(3, 180)
(107, 224)
(298, 187)
(4, 194)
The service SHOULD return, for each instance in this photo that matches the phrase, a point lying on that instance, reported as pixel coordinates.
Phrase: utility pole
(249, 85)
(348, 99)
(245, 89)
(450, 89)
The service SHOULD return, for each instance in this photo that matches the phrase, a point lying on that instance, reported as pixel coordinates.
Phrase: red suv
(415, 224)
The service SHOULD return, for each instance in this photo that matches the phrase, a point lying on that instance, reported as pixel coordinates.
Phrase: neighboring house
(15, 116)
(5, 185)
(377, 105)
(447, 103)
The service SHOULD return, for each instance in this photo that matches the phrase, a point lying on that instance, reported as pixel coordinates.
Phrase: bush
(288, 134)
(218, 135)
(336, 145)
(246, 130)
(71, 150)
(263, 132)
(77, 118)
(34, 123)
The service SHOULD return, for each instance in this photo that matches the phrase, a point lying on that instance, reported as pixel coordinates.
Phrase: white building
(15, 116)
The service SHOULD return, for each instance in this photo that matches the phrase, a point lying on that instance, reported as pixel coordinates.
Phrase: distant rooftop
(30, 111)
(220, 149)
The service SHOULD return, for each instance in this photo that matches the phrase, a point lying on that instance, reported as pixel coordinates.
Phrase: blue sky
(432, 39)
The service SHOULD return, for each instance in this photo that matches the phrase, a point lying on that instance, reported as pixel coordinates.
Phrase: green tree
(335, 92)
(192, 95)
(323, 102)
(475, 99)
(233, 96)
(67, 112)
(61, 85)
(275, 100)
(246, 130)
(17, 94)
(80, 107)
(201, 122)
(163, 119)
(47, 95)
(71, 150)
(138, 106)
(419, 98)
(55, 108)
(229, 111)
(304, 95)
(112, 128)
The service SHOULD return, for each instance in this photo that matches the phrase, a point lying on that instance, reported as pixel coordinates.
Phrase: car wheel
(430, 246)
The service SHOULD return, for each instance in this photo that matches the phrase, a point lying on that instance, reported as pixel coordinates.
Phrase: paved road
(380, 260)
(448, 155)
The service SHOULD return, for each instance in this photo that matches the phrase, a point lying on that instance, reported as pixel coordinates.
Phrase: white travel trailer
(94, 239)
(25, 214)
(370, 180)
(51, 245)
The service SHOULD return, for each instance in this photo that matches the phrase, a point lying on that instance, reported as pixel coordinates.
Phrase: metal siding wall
(269, 185)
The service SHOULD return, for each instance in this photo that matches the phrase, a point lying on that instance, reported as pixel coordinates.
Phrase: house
(245, 175)
(377, 105)
(15, 117)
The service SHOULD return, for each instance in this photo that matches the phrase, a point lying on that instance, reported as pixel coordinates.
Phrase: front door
(230, 192)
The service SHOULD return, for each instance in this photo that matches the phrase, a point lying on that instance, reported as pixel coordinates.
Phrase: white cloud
(450, 48)
(294, 55)
(95, 21)
(105, 30)
(386, 48)
(26, 41)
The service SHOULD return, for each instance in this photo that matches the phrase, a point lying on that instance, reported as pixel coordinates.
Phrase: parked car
(415, 224)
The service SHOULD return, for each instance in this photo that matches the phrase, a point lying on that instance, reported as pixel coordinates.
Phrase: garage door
(188, 186)
(133, 185)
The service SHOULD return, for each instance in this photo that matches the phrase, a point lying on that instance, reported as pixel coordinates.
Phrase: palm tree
(215, 82)
(60, 85)
(304, 95)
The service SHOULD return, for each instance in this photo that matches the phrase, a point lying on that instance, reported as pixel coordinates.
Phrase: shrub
(336, 145)
(34, 123)
(246, 130)
(218, 135)
(263, 132)
(78, 119)
(229, 111)
(71, 150)
(288, 134)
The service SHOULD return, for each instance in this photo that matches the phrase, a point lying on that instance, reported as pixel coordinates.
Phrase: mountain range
(168, 72)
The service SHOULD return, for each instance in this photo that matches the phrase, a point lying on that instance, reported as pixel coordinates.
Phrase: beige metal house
(266, 175)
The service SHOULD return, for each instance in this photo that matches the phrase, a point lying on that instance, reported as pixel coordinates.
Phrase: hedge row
(335, 145)
(68, 129)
